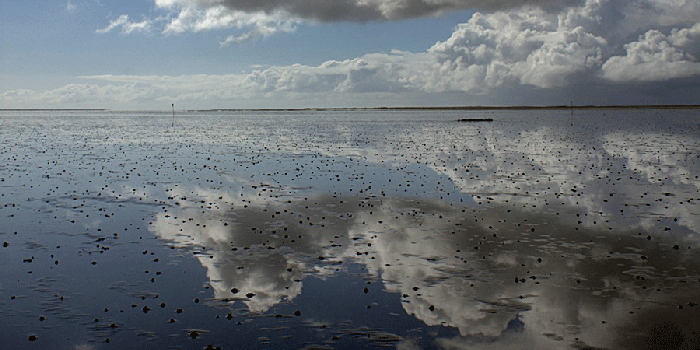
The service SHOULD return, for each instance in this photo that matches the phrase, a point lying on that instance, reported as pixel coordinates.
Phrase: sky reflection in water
(350, 229)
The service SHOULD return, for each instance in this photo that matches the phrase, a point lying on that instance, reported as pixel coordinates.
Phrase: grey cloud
(369, 10)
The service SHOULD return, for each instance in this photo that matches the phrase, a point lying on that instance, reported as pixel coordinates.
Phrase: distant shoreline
(55, 109)
(445, 108)
(457, 108)
(481, 108)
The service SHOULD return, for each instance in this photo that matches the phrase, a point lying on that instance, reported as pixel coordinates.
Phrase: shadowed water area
(350, 229)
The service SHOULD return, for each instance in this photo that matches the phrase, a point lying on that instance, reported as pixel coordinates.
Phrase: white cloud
(262, 27)
(194, 19)
(17, 94)
(190, 18)
(70, 7)
(529, 47)
(113, 24)
(127, 26)
(397, 71)
(656, 57)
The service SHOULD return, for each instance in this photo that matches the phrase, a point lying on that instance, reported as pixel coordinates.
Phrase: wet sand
(350, 229)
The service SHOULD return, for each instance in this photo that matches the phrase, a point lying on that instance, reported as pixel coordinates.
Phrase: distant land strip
(459, 108)
(54, 109)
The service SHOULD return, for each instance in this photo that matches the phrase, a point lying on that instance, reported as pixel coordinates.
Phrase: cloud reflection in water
(498, 275)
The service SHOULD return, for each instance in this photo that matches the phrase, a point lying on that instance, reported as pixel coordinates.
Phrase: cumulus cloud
(530, 47)
(656, 57)
(544, 49)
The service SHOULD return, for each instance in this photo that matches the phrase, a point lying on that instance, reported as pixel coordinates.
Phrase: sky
(210, 54)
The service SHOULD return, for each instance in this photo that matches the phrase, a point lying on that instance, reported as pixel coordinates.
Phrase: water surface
(350, 229)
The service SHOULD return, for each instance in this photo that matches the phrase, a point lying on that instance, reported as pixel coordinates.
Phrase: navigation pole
(572, 113)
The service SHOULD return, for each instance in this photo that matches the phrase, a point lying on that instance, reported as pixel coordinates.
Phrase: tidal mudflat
(350, 229)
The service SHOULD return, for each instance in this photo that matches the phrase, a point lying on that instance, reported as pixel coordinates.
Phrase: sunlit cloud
(656, 57)
(251, 25)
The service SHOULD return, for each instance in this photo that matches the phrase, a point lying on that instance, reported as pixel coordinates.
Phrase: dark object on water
(475, 120)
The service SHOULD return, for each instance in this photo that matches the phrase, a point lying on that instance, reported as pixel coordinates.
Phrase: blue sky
(147, 54)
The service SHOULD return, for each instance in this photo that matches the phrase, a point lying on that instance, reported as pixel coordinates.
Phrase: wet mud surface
(351, 229)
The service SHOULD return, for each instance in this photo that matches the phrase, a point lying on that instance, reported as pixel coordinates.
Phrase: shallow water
(350, 229)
